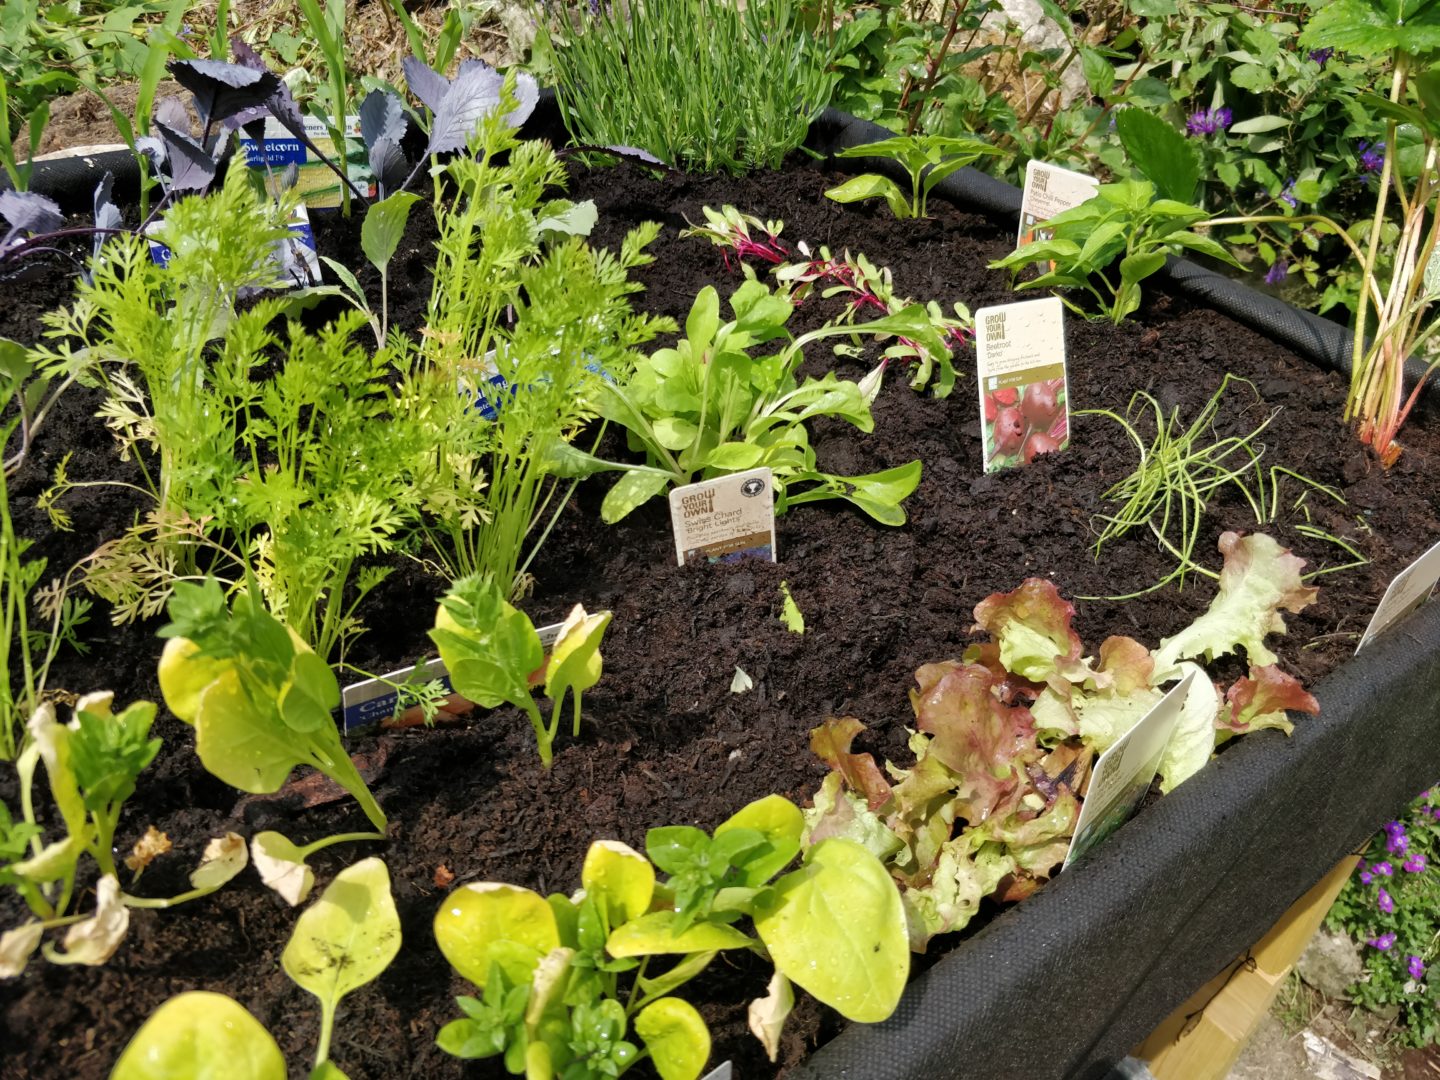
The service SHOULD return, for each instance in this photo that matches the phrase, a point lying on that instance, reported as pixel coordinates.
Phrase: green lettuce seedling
(494, 655)
(707, 407)
(927, 158)
(258, 697)
(200, 1035)
(551, 967)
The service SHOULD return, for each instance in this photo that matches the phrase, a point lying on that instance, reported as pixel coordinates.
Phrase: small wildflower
(1385, 902)
(1384, 942)
(1415, 864)
(1384, 869)
(1287, 194)
(1209, 121)
(1416, 967)
(1277, 273)
(1366, 877)
(1372, 156)
(1321, 56)
(1397, 843)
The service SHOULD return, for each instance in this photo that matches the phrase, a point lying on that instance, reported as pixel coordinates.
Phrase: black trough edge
(1065, 984)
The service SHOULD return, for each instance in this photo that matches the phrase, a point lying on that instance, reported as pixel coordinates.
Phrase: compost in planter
(666, 742)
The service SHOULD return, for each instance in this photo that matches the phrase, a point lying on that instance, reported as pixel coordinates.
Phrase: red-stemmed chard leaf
(985, 742)
(1261, 699)
(830, 742)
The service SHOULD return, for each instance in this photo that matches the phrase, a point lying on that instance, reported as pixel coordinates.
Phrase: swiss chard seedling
(927, 159)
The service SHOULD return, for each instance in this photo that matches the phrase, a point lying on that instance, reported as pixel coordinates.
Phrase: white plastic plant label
(721, 1072)
(317, 183)
(376, 701)
(1410, 588)
(1124, 773)
(1024, 398)
(725, 519)
(1049, 190)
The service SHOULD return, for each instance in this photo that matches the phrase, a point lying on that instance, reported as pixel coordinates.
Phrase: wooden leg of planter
(1202, 1039)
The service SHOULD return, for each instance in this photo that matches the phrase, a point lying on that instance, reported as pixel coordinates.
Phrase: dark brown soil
(665, 740)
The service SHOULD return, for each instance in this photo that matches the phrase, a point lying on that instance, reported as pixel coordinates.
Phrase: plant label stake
(720, 1072)
(1410, 588)
(319, 187)
(725, 519)
(1024, 400)
(373, 701)
(1049, 190)
(1124, 773)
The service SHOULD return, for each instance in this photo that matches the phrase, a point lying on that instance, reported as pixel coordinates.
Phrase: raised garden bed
(1061, 985)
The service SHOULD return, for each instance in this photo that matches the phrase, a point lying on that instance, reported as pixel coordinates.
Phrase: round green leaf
(347, 937)
(676, 1036)
(781, 823)
(201, 1036)
(836, 927)
(474, 922)
(619, 879)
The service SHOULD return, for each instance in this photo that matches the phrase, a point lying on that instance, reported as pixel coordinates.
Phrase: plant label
(375, 701)
(1049, 190)
(1123, 773)
(1411, 587)
(319, 187)
(1024, 399)
(485, 386)
(296, 255)
(725, 519)
(720, 1072)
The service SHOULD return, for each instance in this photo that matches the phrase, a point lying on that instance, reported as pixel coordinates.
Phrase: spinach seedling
(494, 655)
(927, 158)
(258, 697)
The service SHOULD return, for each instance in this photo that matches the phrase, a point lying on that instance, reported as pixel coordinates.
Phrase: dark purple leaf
(382, 116)
(425, 83)
(222, 89)
(171, 112)
(472, 96)
(281, 103)
(27, 211)
(255, 128)
(107, 215)
(388, 163)
(152, 148)
(191, 166)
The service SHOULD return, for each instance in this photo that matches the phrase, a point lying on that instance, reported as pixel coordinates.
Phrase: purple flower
(1372, 156)
(1384, 942)
(1366, 877)
(1384, 869)
(1397, 844)
(1415, 864)
(1320, 56)
(1274, 276)
(1416, 967)
(1287, 194)
(1385, 902)
(1209, 121)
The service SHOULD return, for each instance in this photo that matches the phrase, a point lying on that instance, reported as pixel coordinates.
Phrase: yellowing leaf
(223, 858)
(575, 661)
(676, 1036)
(790, 613)
(17, 946)
(781, 822)
(619, 879)
(201, 1036)
(95, 940)
(234, 747)
(184, 675)
(475, 923)
(147, 849)
(654, 934)
(767, 1015)
(347, 937)
(282, 866)
(836, 927)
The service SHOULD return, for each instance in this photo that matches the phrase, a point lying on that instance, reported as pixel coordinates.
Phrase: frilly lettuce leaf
(1258, 581)
(968, 870)
(837, 812)
(830, 742)
(1260, 700)
(1032, 626)
(1193, 740)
